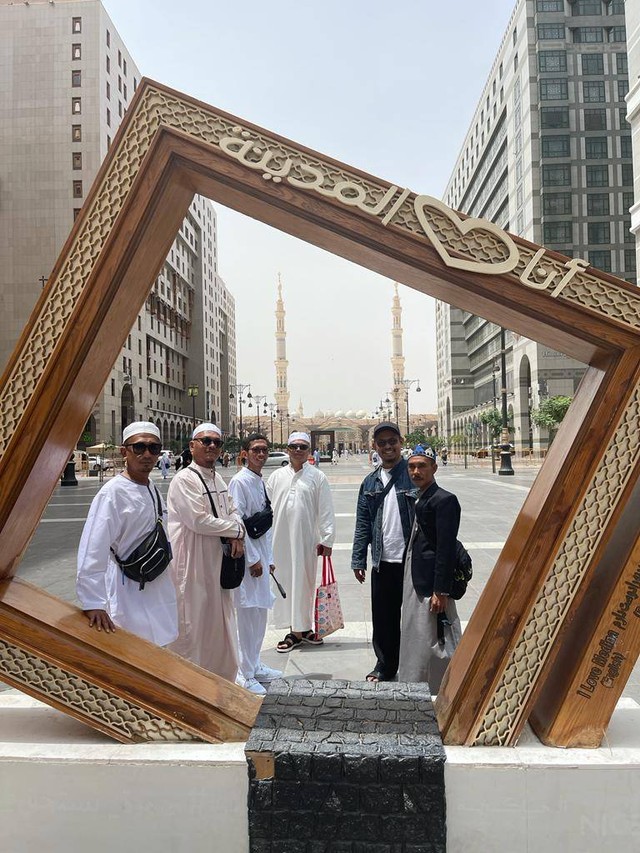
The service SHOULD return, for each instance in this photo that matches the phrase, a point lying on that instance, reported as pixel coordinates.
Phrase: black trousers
(386, 606)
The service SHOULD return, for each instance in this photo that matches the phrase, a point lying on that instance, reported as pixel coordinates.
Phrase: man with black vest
(384, 518)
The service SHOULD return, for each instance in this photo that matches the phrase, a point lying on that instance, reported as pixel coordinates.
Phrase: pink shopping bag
(328, 612)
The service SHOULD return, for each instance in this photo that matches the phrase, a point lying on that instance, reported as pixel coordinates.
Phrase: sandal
(289, 642)
(374, 677)
(312, 638)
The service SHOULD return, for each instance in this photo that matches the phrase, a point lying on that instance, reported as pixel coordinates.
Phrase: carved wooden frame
(569, 539)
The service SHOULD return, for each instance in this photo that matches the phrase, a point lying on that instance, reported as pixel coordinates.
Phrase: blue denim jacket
(368, 529)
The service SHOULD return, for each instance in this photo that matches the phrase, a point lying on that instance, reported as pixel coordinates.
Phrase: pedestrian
(444, 455)
(123, 513)
(316, 456)
(334, 457)
(165, 464)
(303, 529)
(384, 517)
(375, 459)
(254, 598)
(201, 511)
(430, 624)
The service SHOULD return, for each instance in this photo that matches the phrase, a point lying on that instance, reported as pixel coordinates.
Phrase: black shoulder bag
(257, 524)
(232, 568)
(152, 556)
(462, 569)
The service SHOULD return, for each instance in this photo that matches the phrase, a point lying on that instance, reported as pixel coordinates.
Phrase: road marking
(60, 520)
(345, 514)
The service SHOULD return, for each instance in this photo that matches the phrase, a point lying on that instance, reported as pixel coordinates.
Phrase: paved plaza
(489, 502)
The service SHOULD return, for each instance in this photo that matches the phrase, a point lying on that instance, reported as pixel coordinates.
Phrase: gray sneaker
(266, 674)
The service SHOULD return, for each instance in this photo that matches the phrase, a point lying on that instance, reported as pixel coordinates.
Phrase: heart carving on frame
(465, 226)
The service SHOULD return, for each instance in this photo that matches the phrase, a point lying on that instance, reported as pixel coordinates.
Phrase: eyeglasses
(258, 450)
(217, 442)
(139, 448)
(386, 442)
(299, 447)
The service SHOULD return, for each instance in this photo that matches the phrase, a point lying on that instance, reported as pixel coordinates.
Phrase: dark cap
(427, 451)
(386, 425)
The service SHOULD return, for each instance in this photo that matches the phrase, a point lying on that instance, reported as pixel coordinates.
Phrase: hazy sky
(387, 87)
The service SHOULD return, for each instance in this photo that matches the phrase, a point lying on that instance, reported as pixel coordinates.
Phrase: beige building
(66, 79)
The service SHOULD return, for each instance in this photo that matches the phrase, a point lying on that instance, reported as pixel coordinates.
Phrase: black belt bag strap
(152, 556)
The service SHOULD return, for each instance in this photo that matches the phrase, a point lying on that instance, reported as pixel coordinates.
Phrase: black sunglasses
(139, 448)
(298, 446)
(217, 442)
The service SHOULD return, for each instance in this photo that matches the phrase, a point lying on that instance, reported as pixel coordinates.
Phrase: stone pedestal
(346, 767)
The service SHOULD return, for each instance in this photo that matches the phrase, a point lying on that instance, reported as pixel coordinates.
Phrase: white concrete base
(64, 787)
(534, 798)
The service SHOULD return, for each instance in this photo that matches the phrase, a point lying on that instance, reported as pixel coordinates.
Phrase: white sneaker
(254, 686)
(265, 674)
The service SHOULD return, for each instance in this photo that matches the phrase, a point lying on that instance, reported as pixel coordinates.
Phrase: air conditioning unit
(126, 377)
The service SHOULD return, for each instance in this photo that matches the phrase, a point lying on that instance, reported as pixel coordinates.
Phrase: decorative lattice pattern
(556, 595)
(157, 109)
(52, 683)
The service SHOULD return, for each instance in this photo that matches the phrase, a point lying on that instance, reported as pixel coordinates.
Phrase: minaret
(281, 363)
(397, 361)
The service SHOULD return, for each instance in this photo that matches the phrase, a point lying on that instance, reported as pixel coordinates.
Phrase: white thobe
(254, 595)
(121, 515)
(206, 619)
(303, 518)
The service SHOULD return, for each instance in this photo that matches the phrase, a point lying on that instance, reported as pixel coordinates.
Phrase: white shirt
(392, 533)
(120, 516)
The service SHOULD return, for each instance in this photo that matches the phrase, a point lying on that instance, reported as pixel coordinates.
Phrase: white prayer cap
(138, 428)
(299, 436)
(206, 428)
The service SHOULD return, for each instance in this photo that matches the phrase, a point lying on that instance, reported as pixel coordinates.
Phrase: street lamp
(192, 391)
(406, 384)
(272, 412)
(260, 400)
(506, 468)
(240, 389)
(281, 414)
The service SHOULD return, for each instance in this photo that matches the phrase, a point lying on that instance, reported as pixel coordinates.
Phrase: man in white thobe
(121, 515)
(303, 529)
(206, 617)
(253, 598)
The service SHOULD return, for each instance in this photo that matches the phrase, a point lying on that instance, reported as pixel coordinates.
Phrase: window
(515, 35)
(108, 117)
(108, 39)
(597, 176)
(76, 133)
(601, 259)
(553, 90)
(76, 25)
(556, 176)
(623, 89)
(124, 91)
(616, 7)
(108, 91)
(76, 160)
(627, 202)
(596, 147)
(76, 213)
(556, 146)
(622, 63)
(515, 62)
(598, 232)
(630, 260)
(108, 65)
(623, 119)
(593, 91)
(554, 204)
(554, 117)
(135, 84)
(617, 34)
(552, 60)
(550, 6)
(587, 35)
(77, 189)
(108, 142)
(592, 63)
(627, 234)
(119, 83)
(76, 78)
(124, 66)
(625, 146)
(595, 119)
(598, 204)
(627, 174)
(550, 31)
(76, 51)
(120, 108)
(119, 60)
(76, 106)
(586, 7)
(558, 232)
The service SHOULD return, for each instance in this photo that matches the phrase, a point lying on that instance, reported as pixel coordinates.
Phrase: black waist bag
(257, 524)
(232, 568)
(151, 557)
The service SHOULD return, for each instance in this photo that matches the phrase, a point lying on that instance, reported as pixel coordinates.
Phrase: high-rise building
(548, 157)
(66, 79)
